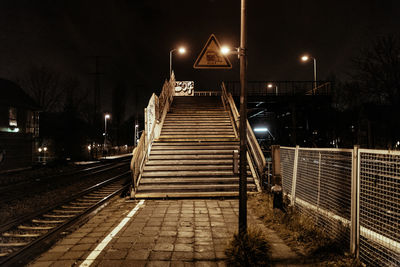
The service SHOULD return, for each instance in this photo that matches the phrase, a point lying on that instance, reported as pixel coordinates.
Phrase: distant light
(270, 85)
(104, 134)
(182, 50)
(261, 130)
(40, 149)
(305, 58)
(107, 116)
(225, 50)
(89, 147)
(45, 149)
(136, 125)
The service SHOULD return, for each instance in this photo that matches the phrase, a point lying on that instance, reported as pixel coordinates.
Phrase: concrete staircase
(194, 155)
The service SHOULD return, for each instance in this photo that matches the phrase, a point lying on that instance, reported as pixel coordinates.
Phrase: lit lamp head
(270, 85)
(182, 50)
(305, 58)
(107, 116)
(225, 50)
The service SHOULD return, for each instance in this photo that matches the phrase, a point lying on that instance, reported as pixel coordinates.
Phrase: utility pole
(243, 123)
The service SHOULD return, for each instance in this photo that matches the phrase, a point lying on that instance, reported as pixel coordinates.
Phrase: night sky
(134, 38)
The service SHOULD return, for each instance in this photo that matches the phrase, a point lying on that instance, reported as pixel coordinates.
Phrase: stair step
(188, 152)
(200, 136)
(196, 123)
(200, 139)
(199, 147)
(154, 162)
(158, 174)
(159, 195)
(190, 157)
(188, 168)
(191, 188)
(195, 143)
(194, 180)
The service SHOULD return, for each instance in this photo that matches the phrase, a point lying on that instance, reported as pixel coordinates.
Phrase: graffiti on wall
(184, 88)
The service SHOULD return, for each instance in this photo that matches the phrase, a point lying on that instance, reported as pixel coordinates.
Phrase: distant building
(19, 125)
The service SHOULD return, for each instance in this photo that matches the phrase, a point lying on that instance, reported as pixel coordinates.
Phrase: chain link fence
(352, 194)
(379, 207)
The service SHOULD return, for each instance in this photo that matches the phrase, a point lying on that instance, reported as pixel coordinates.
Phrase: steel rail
(25, 253)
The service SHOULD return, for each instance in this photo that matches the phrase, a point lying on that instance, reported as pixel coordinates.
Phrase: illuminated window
(12, 117)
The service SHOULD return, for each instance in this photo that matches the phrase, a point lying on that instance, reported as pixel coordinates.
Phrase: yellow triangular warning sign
(211, 56)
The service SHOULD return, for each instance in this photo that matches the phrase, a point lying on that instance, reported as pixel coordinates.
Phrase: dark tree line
(369, 103)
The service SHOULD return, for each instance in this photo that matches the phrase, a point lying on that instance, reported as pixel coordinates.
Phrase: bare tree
(45, 86)
(377, 72)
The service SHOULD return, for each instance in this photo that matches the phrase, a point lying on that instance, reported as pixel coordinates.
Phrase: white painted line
(93, 255)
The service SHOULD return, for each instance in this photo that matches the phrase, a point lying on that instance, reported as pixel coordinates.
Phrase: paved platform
(190, 232)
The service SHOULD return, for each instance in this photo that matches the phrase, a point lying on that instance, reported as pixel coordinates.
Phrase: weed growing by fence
(251, 249)
(298, 229)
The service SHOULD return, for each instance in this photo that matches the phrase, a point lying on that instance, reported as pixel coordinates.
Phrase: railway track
(17, 191)
(23, 238)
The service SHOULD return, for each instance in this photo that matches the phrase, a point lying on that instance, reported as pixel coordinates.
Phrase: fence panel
(379, 207)
(323, 189)
(287, 163)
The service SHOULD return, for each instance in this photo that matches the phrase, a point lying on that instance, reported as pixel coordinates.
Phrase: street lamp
(106, 117)
(271, 85)
(305, 58)
(181, 50)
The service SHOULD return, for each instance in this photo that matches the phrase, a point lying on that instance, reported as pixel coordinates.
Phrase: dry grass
(300, 232)
(251, 249)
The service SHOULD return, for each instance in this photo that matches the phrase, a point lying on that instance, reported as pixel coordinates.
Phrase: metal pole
(170, 62)
(105, 131)
(243, 124)
(315, 75)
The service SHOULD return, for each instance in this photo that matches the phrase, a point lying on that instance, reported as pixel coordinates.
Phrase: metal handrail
(254, 149)
(142, 151)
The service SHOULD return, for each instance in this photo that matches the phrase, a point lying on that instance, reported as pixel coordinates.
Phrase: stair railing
(155, 114)
(255, 156)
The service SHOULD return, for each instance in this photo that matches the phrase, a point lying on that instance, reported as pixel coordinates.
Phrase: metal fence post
(354, 231)
(296, 157)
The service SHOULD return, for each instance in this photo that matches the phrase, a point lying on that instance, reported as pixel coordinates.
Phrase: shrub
(250, 249)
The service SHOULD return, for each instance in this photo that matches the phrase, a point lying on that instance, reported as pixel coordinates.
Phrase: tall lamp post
(305, 58)
(181, 50)
(242, 54)
(106, 117)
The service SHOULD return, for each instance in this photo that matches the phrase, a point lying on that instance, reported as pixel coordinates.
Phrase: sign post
(243, 123)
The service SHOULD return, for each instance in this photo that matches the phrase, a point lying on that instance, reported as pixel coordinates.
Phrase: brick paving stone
(127, 239)
(69, 241)
(158, 264)
(50, 256)
(182, 255)
(185, 234)
(205, 264)
(205, 255)
(181, 264)
(203, 248)
(184, 247)
(70, 255)
(133, 263)
(114, 254)
(168, 233)
(41, 264)
(60, 248)
(89, 240)
(138, 254)
(184, 240)
(164, 247)
(108, 263)
(160, 255)
(64, 263)
(119, 245)
(166, 239)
